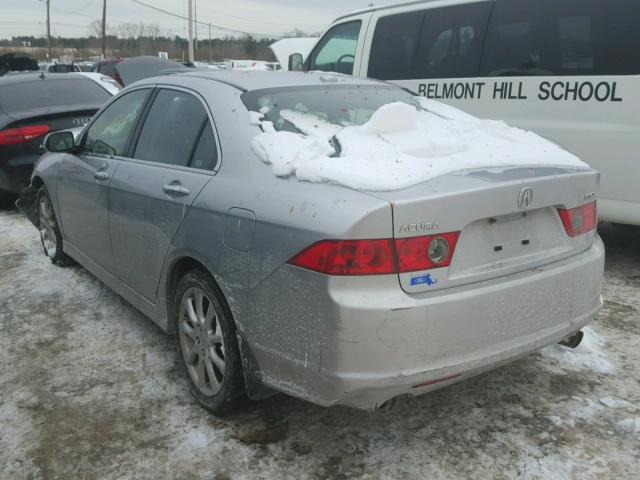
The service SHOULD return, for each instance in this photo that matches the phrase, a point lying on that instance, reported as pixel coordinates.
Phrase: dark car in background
(32, 105)
(17, 62)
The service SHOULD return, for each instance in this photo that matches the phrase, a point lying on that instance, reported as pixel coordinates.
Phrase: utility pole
(210, 50)
(195, 22)
(104, 28)
(190, 15)
(48, 30)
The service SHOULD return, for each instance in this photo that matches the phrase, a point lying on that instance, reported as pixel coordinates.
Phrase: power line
(219, 27)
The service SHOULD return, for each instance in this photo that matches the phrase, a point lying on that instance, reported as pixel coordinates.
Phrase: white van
(566, 69)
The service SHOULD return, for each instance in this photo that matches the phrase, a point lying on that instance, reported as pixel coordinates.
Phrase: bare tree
(95, 28)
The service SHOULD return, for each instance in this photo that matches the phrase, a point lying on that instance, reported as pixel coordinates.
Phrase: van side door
(410, 45)
(174, 157)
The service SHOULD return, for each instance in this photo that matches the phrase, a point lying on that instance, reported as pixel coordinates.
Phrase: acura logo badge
(525, 197)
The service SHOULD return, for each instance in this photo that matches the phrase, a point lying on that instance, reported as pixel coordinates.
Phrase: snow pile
(629, 425)
(588, 356)
(399, 146)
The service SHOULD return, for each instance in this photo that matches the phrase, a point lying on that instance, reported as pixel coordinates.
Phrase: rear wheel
(50, 235)
(207, 348)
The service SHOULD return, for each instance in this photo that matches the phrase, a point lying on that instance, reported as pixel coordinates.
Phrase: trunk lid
(508, 219)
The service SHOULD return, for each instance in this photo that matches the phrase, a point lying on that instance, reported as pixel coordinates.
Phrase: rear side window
(336, 52)
(48, 93)
(110, 133)
(171, 129)
(563, 37)
(451, 41)
(205, 156)
(393, 49)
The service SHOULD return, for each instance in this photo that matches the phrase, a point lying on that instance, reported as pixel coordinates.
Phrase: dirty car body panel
(337, 339)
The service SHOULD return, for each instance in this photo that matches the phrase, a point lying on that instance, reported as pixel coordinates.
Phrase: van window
(451, 41)
(336, 52)
(393, 48)
(563, 37)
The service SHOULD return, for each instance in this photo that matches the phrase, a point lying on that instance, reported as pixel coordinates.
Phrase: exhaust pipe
(572, 341)
(386, 407)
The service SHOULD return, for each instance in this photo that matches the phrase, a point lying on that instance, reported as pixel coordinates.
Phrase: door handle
(101, 175)
(176, 189)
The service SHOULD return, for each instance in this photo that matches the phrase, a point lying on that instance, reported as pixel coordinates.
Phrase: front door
(151, 194)
(85, 177)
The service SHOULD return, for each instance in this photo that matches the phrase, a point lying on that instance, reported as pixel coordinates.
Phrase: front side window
(563, 37)
(451, 41)
(110, 133)
(171, 129)
(336, 52)
(393, 49)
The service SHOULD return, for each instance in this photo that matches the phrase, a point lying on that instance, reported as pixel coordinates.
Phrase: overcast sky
(71, 17)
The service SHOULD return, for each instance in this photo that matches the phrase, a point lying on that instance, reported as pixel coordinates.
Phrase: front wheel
(50, 235)
(207, 348)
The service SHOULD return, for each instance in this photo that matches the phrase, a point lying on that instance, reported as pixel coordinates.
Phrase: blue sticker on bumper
(424, 279)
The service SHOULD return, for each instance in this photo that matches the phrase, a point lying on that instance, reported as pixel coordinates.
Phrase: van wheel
(207, 347)
(50, 235)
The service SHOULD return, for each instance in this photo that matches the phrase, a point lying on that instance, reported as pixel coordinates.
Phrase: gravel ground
(89, 389)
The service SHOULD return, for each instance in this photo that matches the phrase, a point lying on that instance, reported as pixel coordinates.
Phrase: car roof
(36, 76)
(257, 80)
(387, 7)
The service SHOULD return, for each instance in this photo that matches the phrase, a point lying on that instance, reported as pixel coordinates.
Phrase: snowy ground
(88, 389)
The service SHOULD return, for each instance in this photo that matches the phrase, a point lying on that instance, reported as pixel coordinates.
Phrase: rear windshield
(42, 94)
(337, 104)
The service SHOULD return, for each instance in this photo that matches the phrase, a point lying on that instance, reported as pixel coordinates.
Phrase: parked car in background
(32, 105)
(566, 69)
(87, 66)
(108, 83)
(108, 68)
(59, 67)
(17, 62)
(333, 238)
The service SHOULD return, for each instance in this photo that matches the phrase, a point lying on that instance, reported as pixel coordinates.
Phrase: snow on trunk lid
(400, 145)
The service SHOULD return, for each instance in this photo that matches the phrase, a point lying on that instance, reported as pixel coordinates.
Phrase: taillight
(118, 78)
(379, 256)
(424, 253)
(579, 220)
(13, 136)
(348, 257)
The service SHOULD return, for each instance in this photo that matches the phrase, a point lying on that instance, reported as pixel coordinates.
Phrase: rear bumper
(380, 343)
(14, 177)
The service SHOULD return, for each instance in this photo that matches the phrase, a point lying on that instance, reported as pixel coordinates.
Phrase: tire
(50, 236)
(208, 352)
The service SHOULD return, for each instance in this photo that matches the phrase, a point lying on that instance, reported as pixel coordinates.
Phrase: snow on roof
(400, 146)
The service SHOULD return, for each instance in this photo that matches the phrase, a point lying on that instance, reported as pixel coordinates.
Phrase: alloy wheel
(201, 340)
(47, 221)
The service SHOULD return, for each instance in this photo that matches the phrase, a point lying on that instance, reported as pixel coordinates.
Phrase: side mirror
(62, 141)
(296, 62)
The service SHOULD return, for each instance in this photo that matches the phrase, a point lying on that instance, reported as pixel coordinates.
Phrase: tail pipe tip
(573, 340)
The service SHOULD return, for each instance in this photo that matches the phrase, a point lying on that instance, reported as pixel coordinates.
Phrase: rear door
(150, 195)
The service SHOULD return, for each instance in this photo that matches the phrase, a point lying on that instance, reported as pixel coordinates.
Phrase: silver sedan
(331, 293)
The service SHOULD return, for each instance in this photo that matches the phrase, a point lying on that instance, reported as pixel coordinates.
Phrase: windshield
(343, 105)
(41, 94)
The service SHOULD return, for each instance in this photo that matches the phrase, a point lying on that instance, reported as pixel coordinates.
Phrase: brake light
(423, 253)
(379, 256)
(13, 136)
(348, 257)
(579, 220)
